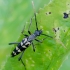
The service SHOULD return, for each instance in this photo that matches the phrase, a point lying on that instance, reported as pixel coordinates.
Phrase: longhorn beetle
(28, 40)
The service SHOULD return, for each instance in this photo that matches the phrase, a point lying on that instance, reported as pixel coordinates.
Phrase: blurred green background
(13, 15)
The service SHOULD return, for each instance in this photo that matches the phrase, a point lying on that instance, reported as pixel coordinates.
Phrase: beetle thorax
(38, 32)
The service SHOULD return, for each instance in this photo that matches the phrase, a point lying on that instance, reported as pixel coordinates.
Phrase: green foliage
(51, 53)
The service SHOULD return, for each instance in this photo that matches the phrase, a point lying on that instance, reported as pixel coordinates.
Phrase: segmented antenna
(33, 6)
(23, 29)
(35, 15)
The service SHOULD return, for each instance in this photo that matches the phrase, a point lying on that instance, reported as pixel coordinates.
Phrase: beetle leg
(38, 40)
(29, 27)
(20, 56)
(13, 43)
(33, 46)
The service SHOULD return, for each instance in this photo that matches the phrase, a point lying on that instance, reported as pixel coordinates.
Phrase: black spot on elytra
(68, 4)
(58, 28)
(64, 30)
(49, 50)
(65, 15)
(54, 30)
(46, 13)
(49, 12)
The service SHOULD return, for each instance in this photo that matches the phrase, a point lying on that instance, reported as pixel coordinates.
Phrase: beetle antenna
(35, 15)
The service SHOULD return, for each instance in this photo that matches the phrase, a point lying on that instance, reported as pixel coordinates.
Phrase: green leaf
(50, 54)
